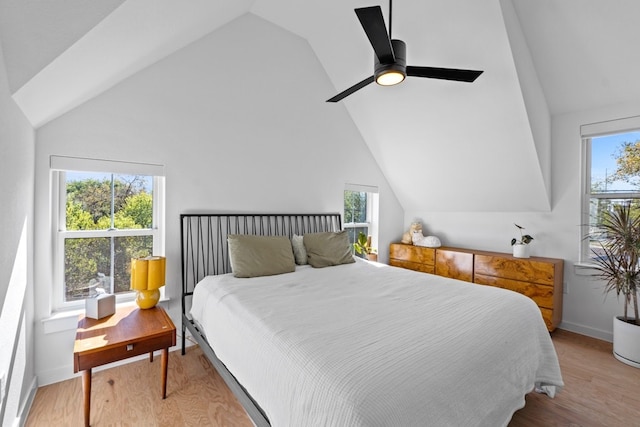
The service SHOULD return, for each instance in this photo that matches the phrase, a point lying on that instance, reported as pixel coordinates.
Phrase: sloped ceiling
(34, 33)
(444, 146)
(585, 51)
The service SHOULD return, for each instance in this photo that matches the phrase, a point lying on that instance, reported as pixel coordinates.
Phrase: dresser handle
(129, 347)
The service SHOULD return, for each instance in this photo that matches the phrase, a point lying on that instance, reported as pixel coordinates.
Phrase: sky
(603, 163)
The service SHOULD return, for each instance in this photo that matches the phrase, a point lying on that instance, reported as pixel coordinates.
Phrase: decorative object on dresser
(617, 263)
(416, 237)
(147, 277)
(426, 241)
(521, 247)
(538, 278)
(407, 238)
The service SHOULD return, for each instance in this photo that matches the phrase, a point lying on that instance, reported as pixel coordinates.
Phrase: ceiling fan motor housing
(400, 64)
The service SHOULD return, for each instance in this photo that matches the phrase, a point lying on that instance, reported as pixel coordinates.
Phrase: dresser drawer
(516, 269)
(541, 294)
(412, 253)
(454, 263)
(425, 268)
(92, 358)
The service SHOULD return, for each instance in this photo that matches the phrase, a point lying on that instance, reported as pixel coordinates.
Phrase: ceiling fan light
(390, 78)
(389, 74)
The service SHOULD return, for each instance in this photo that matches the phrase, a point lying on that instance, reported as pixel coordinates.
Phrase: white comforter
(370, 345)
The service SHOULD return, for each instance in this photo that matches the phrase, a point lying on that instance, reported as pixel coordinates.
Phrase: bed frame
(204, 252)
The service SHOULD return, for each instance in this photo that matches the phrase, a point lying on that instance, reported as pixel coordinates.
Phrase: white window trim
(585, 199)
(60, 164)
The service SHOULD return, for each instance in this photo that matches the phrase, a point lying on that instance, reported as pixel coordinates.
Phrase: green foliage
(77, 218)
(94, 196)
(525, 239)
(362, 245)
(628, 161)
(84, 259)
(139, 208)
(355, 206)
(87, 260)
(618, 261)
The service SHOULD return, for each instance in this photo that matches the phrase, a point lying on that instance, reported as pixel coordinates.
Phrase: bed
(356, 343)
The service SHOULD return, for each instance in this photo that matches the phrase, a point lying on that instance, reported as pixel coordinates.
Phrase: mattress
(366, 344)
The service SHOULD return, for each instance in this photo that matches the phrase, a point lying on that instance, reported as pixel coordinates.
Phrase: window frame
(60, 233)
(372, 209)
(588, 133)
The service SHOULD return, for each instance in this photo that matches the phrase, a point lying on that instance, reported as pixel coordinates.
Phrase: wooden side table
(127, 333)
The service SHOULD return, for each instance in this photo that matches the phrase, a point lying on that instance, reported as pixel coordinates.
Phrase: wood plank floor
(599, 391)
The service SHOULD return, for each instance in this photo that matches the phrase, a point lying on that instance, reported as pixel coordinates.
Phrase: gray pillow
(327, 249)
(254, 256)
(299, 252)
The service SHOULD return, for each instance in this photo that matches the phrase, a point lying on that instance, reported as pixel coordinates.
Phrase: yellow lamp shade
(148, 274)
(139, 273)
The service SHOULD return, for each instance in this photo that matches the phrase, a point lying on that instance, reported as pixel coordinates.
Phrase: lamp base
(147, 299)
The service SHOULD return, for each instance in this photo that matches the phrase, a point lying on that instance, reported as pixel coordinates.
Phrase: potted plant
(617, 263)
(362, 246)
(521, 246)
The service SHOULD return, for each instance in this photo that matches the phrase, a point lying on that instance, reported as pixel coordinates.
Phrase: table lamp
(147, 277)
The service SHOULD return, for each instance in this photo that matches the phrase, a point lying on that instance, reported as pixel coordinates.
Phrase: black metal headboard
(203, 238)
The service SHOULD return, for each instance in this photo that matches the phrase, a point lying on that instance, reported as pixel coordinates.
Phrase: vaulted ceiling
(442, 145)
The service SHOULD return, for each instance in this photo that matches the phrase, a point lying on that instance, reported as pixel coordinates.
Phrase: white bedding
(370, 345)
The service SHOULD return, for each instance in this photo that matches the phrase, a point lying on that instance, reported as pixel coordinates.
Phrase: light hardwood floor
(599, 391)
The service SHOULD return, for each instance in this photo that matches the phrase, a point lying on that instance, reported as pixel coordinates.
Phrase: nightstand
(127, 333)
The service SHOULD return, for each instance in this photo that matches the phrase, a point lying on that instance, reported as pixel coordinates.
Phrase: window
(106, 214)
(361, 212)
(612, 175)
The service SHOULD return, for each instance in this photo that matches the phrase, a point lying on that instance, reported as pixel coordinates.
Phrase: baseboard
(55, 375)
(588, 331)
(21, 420)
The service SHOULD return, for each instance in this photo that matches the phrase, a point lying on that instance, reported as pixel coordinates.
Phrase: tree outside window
(108, 220)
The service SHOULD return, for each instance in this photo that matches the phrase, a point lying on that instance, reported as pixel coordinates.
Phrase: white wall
(239, 120)
(16, 261)
(557, 234)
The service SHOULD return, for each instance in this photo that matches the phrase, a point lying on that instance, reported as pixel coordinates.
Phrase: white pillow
(299, 251)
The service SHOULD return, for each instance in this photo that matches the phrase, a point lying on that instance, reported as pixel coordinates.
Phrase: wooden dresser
(538, 278)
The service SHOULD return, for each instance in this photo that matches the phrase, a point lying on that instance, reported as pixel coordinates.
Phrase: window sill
(67, 320)
(584, 269)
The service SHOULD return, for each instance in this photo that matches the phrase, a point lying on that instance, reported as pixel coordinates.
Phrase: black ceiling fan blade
(373, 24)
(352, 89)
(444, 73)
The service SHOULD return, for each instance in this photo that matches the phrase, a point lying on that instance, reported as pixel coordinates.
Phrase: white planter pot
(626, 342)
(520, 250)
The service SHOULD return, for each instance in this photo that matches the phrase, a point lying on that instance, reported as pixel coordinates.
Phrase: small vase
(520, 250)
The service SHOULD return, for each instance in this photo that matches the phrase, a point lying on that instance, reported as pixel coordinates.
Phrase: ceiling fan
(390, 59)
